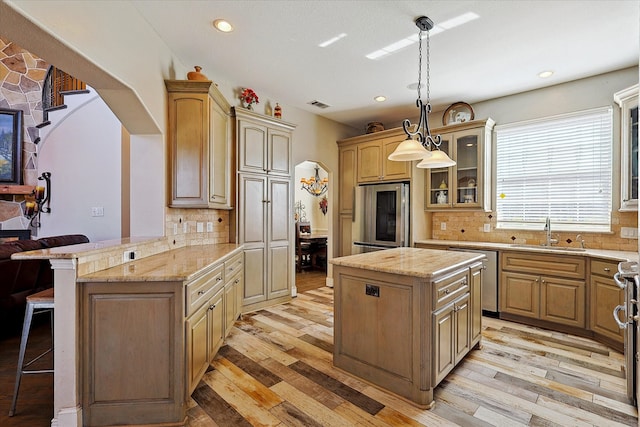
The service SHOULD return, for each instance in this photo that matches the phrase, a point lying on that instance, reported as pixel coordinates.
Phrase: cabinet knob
(607, 269)
(218, 279)
(543, 281)
(237, 281)
(212, 306)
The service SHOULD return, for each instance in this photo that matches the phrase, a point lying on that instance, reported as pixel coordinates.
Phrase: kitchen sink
(553, 248)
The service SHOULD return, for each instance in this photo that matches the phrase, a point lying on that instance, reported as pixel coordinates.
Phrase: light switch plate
(199, 227)
(209, 227)
(629, 232)
(486, 228)
(443, 226)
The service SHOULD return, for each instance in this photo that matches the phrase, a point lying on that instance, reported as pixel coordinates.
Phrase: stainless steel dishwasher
(489, 280)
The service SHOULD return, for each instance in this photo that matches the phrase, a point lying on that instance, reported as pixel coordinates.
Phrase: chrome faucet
(547, 228)
(581, 240)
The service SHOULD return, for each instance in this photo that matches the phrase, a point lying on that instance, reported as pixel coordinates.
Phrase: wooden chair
(303, 249)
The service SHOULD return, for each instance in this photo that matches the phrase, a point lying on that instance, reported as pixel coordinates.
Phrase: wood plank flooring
(276, 369)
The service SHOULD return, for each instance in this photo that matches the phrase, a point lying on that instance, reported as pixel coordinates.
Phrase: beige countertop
(84, 249)
(424, 263)
(592, 253)
(181, 264)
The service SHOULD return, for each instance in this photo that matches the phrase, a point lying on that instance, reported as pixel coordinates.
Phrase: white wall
(83, 153)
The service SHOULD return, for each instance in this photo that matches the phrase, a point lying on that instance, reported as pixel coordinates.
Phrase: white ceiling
(274, 49)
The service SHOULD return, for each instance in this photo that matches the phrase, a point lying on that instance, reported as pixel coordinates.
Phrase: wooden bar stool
(41, 302)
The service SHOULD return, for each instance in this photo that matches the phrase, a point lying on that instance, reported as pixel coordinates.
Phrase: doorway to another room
(311, 214)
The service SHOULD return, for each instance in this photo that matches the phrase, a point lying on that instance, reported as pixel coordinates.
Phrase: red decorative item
(324, 205)
(248, 98)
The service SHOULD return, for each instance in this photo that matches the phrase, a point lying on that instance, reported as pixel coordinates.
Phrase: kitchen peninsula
(405, 317)
(132, 338)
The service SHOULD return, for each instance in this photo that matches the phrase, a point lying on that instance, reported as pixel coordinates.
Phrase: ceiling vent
(319, 104)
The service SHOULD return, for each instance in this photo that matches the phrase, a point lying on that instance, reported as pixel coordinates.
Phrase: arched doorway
(313, 209)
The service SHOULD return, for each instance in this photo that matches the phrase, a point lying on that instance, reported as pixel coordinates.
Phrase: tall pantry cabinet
(265, 204)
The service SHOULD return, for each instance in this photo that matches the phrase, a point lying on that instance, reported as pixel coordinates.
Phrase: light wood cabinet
(627, 100)
(346, 179)
(265, 203)
(372, 162)
(467, 184)
(405, 333)
(199, 137)
(605, 295)
(545, 287)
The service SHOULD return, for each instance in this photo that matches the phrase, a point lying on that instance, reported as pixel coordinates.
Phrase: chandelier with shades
(420, 145)
(315, 185)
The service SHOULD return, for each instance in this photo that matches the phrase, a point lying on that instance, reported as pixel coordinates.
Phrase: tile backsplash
(469, 226)
(186, 227)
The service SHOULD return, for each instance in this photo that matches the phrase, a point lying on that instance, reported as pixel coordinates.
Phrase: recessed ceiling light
(223, 25)
(380, 98)
(545, 74)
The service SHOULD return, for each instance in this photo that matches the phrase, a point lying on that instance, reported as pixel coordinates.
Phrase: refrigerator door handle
(617, 318)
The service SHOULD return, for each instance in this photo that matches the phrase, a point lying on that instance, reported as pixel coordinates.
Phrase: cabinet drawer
(233, 266)
(604, 268)
(449, 288)
(569, 267)
(202, 289)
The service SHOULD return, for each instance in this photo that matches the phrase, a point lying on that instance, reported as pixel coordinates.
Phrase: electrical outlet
(209, 227)
(486, 228)
(128, 256)
(97, 211)
(443, 226)
(199, 227)
(629, 232)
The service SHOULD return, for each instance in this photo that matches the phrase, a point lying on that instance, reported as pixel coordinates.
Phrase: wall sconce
(42, 196)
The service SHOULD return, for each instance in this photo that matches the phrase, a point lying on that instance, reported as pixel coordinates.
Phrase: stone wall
(21, 78)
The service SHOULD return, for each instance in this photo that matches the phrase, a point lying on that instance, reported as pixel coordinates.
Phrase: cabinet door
(605, 295)
(219, 158)
(476, 304)
(253, 233)
(279, 231)
(443, 342)
(229, 305)
(369, 162)
(346, 179)
(345, 225)
(197, 346)
(462, 311)
(189, 149)
(467, 147)
(252, 147)
(215, 318)
(562, 301)
(520, 294)
(392, 170)
(279, 152)
(439, 184)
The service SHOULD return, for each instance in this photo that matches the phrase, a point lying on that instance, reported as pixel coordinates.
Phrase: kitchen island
(405, 317)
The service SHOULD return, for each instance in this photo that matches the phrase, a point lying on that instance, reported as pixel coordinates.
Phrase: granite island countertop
(415, 262)
(182, 264)
(559, 250)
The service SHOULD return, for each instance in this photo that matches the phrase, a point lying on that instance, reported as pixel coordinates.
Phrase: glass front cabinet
(467, 185)
(627, 99)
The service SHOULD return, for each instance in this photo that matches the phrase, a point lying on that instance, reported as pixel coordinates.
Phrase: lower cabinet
(451, 336)
(544, 287)
(605, 295)
(146, 344)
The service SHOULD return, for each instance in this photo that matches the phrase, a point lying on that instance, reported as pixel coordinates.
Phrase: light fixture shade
(409, 150)
(438, 159)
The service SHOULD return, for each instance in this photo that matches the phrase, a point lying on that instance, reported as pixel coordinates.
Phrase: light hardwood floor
(275, 369)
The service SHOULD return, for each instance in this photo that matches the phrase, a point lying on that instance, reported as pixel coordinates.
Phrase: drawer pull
(212, 306)
(446, 291)
(200, 292)
(218, 279)
(607, 269)
(237, 281)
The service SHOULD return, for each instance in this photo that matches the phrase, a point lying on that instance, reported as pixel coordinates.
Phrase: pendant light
(420, 145)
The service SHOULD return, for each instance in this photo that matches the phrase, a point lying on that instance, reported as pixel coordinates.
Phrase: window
(557, 167)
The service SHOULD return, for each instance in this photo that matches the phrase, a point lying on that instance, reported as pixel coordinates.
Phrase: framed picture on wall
(10, 146)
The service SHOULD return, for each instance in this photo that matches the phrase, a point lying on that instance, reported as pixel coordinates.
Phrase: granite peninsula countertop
(85, 249)
(183, 264)
(559, 250)
(414, 262)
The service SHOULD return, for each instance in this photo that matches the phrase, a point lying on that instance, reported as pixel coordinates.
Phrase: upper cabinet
(199, 139)
(467, 184)
(264, 145)
(627, 99)
(373, 165)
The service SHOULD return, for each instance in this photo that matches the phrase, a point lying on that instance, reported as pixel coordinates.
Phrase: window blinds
(557, 167)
